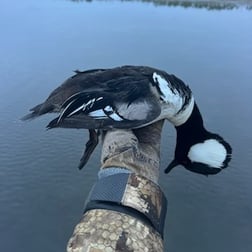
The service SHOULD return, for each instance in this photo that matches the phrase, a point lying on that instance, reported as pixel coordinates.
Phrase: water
(41, 190)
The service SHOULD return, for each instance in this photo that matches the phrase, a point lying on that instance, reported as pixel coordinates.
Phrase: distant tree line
(210, 5)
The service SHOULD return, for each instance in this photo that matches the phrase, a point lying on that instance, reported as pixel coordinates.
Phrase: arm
(126, 209)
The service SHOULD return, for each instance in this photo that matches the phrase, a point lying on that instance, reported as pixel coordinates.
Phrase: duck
(132, 97)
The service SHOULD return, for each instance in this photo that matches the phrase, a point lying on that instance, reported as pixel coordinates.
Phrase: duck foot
(90, 146)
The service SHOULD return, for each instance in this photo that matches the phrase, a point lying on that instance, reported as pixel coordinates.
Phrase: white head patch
(210, 152)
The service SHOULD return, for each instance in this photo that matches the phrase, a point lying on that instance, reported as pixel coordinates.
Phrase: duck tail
(35, 113)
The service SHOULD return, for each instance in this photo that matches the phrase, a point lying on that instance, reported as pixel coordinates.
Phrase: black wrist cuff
(130, 194)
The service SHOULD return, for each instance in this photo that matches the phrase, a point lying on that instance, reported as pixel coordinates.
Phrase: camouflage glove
(137, 150)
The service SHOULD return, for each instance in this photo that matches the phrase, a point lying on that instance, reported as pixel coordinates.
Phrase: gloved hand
(137, 150)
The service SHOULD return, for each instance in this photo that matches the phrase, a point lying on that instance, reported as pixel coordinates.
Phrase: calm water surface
(41, 190)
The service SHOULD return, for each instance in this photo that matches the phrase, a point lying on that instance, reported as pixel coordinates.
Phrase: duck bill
(173, 164)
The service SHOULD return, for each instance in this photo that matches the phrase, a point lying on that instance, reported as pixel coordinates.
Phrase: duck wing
(107, 109)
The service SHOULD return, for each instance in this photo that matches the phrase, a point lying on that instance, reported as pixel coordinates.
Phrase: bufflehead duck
(131, 97)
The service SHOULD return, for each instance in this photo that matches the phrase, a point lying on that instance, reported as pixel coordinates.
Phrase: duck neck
(193, 127)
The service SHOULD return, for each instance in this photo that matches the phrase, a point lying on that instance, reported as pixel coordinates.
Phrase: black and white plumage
(131, 97)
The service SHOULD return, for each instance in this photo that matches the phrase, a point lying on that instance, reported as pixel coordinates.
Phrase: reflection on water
(210, 5)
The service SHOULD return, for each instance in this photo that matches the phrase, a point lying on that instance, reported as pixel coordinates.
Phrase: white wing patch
(107, 112)
(83, 107)
(134, 111)
(210, 152)
(99, 114)
(112, 114)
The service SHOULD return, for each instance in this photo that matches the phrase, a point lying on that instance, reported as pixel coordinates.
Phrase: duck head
(207, 157)
(197, 149)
